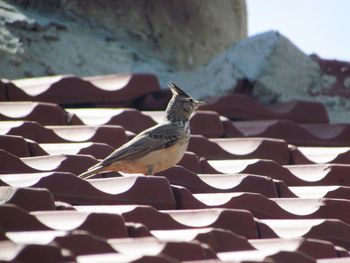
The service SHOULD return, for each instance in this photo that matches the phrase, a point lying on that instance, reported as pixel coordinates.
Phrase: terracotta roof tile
(97, 89)
(297, 134)
(220, 183)
(310, 155)
(332, 230)
(242, 107)
(111, 135)
(240, 148)
(109, 116)
(43, 113)
(40, 198)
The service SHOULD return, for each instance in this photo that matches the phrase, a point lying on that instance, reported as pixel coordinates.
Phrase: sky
(315, 26)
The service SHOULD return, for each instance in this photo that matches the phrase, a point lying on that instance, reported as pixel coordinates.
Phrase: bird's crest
(177, 91)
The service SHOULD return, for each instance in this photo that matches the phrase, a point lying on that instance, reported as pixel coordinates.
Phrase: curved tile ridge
(111, 135)
(184, 219)
(29, 199)
(311, 155)
(242, 107)
(313, 247)
(153, 246)
(219, 239)
(15, 145)
(118, 190)
(328, 191)
(332, 230)
(108, 225)
(322, 174)
(297, 134)
(12, 252)
(265, 208)
(41, 112)
(220, 183)
(292, 175)
(97, 150)
(240, 148)
(97, 89)
(62, 163)
(114, 116)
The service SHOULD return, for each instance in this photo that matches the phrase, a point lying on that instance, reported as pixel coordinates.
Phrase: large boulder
(87, 37)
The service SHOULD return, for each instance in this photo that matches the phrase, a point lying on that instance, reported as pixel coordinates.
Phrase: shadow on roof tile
(199, 124)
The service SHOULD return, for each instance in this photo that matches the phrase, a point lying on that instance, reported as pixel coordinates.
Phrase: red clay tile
(315, 208)
(82, 243)
(230, 130)
(182, 250)
(130, 258)
(121, 190)
(312, 247)
(311, 155)
(199, 124)
(265, 256)
(3, 90)
(183, 219)
(219, 240)
(240, 148)
(97, 89)
(137, 230)
(111, 135)
(30, 199)
(97, 150)
(292, 175)
(43, 113)
(242, 107)
(332, 230)
(321, 174)
(328, 191)
(220, 183)
(15, 145)
(130, 119)
(297, 134)
(190, 161)
(32, 253)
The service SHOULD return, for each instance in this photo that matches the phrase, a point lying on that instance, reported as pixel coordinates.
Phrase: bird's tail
(91, 172)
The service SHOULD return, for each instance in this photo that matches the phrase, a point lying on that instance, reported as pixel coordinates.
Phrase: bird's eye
(191, 100)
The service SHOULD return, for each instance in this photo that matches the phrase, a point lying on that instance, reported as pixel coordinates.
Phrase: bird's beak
(199, 103)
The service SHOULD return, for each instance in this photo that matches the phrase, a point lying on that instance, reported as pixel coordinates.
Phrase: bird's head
(181, 105)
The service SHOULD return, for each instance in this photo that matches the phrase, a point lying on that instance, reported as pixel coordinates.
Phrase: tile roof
(258, 183)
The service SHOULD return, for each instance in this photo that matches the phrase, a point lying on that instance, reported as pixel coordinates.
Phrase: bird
(156, 148)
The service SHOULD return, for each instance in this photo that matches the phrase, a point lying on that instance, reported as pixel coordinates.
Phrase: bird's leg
(149, 169)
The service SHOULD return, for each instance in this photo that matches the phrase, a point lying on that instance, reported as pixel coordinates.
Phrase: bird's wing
(154, 138)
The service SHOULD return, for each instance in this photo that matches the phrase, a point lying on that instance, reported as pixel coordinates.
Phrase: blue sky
(315, 26)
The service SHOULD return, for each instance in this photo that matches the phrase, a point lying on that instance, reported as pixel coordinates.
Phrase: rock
(278, 68)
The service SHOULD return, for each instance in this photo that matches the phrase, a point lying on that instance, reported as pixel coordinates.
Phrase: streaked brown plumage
(156, 148)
